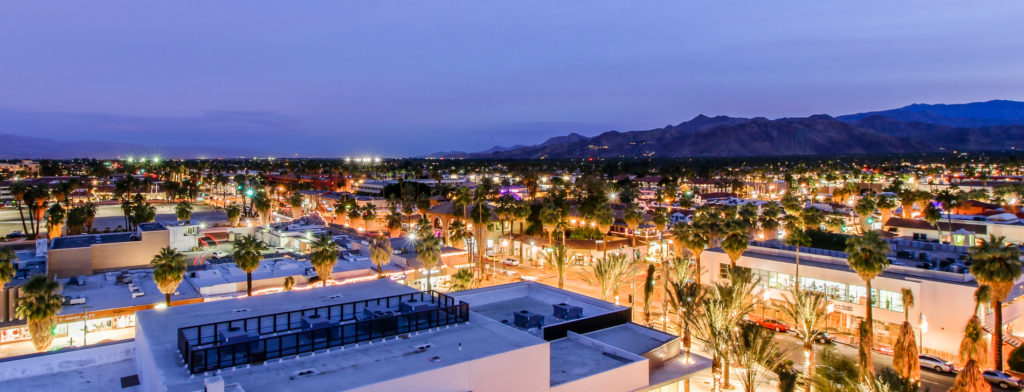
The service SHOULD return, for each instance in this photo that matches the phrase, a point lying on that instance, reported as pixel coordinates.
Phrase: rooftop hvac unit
(236, 335)
(314, 321)
(526, 319)
(565, 311)
(414, 305)
(213, 384)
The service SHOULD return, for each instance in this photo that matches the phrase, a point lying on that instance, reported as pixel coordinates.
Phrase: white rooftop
(101, 292)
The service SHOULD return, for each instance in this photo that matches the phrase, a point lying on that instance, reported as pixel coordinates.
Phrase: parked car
(937, 364)
(281, 249)
(884, 349)
(1001, 379)
(16, 234)
(821, 337)
(510, 262)
(774, 325)
(219, 254)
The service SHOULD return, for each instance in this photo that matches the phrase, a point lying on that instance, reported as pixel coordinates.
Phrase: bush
(1016, 360)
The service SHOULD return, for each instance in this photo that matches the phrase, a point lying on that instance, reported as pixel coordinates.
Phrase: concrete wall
(526, 369)
(131, 254)
(68, 360)
(68, 262)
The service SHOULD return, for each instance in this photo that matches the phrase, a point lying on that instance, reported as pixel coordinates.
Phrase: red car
(774, 325)
(884, 349)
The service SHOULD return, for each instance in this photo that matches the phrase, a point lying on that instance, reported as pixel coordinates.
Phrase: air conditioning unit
(526, 319)
(236, 335)
(314, 321)
(565, 311)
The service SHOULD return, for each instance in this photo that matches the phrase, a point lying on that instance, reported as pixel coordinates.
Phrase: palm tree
(796, 237)
(837, 374)
(234, 212)
(973, 351)
(756, 352)
(684, 295)
(864, 208)
(734, 245)
(168, 271)
(428, 251)
(380, 253)
(263, 205)
(557, 256)
(481, 216)
(721, 308)
(183, 211)
(295, 202)
(648, 292)
(18, 190)
(806, 309)
(7, 270)
(866, 256)
(323, 254)
(885, 205)
(55, 220)
(607, 274)
(247, 256)
(694, 239)
(458, 234)
(38, 305)
(932, 215)
(393, 220)
(462, 280)
(370, 216)
(998, 266)
(76, 218)
(90, 215)
(904, 358)
(550, 216)
(633, 217)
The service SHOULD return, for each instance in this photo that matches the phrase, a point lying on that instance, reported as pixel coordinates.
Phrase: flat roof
(102, 292)
(99, 378)
(349, 367)
(86, 240)
(631, 337)
(152, 226)
(572, 360)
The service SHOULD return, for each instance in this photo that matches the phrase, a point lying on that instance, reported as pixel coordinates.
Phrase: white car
(510, 262)
(219, 254)
(932, 362)
(281, 249)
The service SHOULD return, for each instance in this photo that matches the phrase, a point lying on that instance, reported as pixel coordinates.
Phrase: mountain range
(992, 125)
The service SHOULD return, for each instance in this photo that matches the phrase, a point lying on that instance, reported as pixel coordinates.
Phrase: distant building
(90, 253)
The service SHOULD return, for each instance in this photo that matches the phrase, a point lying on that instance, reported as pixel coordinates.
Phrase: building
(943, 300)
(89, 253)
(339, 336)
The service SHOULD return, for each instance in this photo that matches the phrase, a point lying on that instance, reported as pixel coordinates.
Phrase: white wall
(66, 360)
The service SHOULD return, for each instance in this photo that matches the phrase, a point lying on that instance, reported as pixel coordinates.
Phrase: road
(110, 216)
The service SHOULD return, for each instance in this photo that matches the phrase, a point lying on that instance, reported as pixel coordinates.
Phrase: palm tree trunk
(698, 265)
(725, 372)
(522, 237)
(22, 214)
(167, 299)
(428, 279)
(796, 281)
(997, 340)
(809, 371)
(248, 283)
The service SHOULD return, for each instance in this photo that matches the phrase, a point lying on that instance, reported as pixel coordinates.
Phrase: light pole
(764, 303)
(924, 328)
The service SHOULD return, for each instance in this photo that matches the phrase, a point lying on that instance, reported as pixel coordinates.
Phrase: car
(16, 234)
(281, 249)
(820, 337)
(219, 254)
(510, 262)
(773, 324)
(1002, 379)
(937, 364)
(883, 349)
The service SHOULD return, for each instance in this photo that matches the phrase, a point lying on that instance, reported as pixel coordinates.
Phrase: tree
(998, 266)
(904, 359)
(18, 190)
(756, 352)
(721, 308)
(234, 212)
(428, 251)
(885, 205)
(183, 211)
(607, 274)
(458, 233)
(734, 245)
(38, 304)
(867, 257)
(380, 253)
(973, 351)
(55, 220)
(807, 309)
(864, 208)
(550, 216)
(90, 215)
(295, 202)
(694, 239)
(480, 215)
(633, 217)
(463, 280)
(837, 374)
(247, 255)
(796, 237)
(323, 254)
(558, 257)
(168, 271)
(7, 270)
(262, 204)
(932, 215)
(76, 218)
(648, 292)
(684, 296)
(393, 220)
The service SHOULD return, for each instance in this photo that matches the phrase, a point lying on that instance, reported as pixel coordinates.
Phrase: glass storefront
(842, 292)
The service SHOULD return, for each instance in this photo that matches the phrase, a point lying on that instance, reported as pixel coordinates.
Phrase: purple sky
(333, 78)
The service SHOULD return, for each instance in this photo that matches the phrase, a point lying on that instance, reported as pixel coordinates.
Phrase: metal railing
(196, 336)
(304, 341)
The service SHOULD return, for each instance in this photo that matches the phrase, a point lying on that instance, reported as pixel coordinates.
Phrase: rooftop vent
(565, 311)
(236, 335)
(314, 321)
(213, 384)
(526, 319)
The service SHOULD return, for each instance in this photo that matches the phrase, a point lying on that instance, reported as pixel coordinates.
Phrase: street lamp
(924, 328)
(764, 303)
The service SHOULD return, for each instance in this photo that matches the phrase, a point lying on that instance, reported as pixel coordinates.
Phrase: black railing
(193, 337)
(304, 341)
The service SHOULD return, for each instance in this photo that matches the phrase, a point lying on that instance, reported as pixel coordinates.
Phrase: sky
(404, 78)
